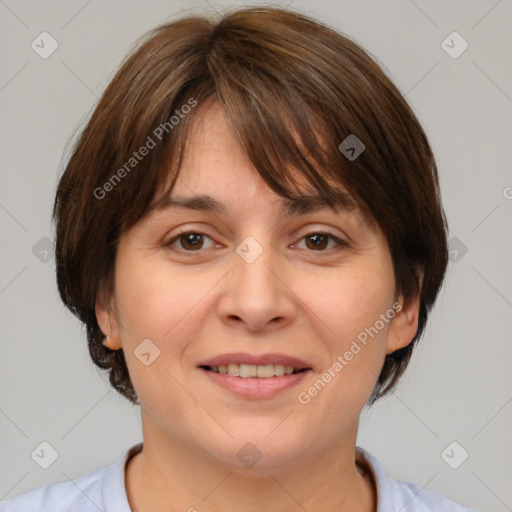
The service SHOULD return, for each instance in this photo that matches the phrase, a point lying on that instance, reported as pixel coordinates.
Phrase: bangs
(291, 145)
(280, 144)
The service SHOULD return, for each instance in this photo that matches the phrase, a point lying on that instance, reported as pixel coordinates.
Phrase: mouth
(250, 371)
(255, 376)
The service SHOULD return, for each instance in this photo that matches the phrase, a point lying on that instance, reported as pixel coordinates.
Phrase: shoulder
(410, 497)
(83, 493)
(101, 489)
(394, 495)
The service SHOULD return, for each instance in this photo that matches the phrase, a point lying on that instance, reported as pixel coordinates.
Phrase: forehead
(215, 165)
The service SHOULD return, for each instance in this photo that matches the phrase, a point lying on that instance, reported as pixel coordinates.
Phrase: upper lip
(258, 360)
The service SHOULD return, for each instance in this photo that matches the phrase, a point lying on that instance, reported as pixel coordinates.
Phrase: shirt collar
(114, 486)
(384, 485)
(113, 489)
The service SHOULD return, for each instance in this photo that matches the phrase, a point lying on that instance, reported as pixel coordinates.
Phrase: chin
(259, 447)
(252, 459)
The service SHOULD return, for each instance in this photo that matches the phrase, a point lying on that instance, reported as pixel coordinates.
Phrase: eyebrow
(300, 206)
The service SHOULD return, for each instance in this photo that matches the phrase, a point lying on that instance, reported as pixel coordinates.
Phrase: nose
(257, 296)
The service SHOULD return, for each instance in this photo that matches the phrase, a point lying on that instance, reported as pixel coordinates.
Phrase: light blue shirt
(103, 490)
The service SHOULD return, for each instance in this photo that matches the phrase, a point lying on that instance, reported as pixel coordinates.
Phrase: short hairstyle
(292, 90)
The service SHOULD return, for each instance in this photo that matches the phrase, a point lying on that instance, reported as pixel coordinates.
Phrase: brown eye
(189, 241)
(320, 241)
(316, 242)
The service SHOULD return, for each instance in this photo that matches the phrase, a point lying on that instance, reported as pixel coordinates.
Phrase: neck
(168, 475)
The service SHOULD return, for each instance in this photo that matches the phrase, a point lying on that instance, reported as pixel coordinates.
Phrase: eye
(193, 241)
(318, 241)
(189, 241)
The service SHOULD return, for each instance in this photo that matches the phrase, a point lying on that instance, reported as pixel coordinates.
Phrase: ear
(404, 325)
(108, 323)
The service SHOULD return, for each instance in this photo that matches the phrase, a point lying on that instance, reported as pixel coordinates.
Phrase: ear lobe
(404, 325)
(108, 325)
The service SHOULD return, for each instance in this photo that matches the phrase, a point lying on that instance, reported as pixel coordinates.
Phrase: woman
(250, 228)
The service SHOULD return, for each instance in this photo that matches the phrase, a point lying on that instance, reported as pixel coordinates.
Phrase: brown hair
(292, 89)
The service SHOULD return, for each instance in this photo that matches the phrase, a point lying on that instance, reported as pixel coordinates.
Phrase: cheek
(156, 304)
(349, 300)
(151, 299)
(348, 305)
(167, 306)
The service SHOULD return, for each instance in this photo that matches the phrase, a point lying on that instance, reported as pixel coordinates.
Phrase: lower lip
(255, 387)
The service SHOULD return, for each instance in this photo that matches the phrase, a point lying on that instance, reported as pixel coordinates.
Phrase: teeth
(250, 370)
(264, 372)
(278, 370)
(234, 369)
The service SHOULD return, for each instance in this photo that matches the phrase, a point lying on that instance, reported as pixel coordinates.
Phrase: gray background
(458, 386)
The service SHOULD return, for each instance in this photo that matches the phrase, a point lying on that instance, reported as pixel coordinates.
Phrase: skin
(292, 300)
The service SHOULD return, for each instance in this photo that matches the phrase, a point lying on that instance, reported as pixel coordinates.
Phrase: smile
(254, 376)
(247, 371)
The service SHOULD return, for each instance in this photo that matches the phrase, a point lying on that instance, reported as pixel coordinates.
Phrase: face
(256, 286)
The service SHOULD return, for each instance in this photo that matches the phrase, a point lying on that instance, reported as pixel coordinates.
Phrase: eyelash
(341, 244)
